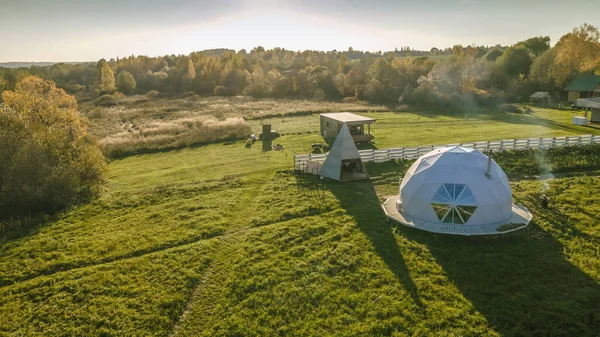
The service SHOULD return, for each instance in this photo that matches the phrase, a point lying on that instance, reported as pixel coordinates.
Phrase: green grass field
(403, 129)
(221, 240)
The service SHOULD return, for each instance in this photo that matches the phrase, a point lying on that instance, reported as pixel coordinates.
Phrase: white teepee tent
(343, 162)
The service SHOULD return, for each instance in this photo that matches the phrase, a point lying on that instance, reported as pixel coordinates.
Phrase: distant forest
(457, 77)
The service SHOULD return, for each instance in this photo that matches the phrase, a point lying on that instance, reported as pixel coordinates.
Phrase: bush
(96, 113)
(257, 90)
(106, 100)
(221, 91)
(510, 108)
(153, 93)
(48, 162)
(126, 83)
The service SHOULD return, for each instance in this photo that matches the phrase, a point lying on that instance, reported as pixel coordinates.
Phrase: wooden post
(266, 131)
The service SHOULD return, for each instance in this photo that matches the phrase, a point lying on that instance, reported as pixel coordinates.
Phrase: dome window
(454, 203)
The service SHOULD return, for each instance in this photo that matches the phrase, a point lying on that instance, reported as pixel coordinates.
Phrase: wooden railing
(383, 155)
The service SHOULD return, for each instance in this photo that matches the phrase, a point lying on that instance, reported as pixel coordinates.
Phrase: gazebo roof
(540, 94)
(348, 117)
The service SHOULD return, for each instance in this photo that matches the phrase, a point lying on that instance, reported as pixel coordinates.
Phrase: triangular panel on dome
(343, 161)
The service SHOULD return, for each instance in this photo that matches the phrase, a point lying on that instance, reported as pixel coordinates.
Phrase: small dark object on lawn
(316, 147)
(545, 201)
(272, 135)
(278, 147)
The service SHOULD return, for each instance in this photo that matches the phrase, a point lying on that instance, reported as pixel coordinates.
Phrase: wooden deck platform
(521, 216)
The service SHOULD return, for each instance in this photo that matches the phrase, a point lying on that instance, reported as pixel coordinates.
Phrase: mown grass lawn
(221, 240)
(404, 129)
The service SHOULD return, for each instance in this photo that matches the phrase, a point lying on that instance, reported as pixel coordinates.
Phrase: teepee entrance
(343, 162)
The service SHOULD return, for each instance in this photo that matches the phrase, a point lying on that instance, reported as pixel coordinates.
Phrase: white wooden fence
(383, 155)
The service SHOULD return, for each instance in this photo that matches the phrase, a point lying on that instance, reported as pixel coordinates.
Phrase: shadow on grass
(512, 118)
(360, 201)
(522, 282)
(366, 146)
(21, 226)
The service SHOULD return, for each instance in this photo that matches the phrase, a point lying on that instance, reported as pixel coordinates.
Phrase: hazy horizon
(85, 31)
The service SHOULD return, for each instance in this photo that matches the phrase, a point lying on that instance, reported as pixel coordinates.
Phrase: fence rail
(383, 155)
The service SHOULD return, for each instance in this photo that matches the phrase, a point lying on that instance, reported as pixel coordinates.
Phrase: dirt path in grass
(209, 289)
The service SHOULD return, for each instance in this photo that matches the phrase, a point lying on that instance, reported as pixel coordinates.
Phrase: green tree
(321, 78)
(514, 61)
(302, 85)
(3, 85)
(375, 91)
(537, 45)
(383, 81)
(493, 54)
(126, 83)
(542, 71)
(343, 64)
(282, 87)
(48, 162)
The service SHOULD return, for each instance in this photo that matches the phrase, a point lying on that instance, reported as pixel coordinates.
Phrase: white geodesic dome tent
(452, 185)
(457, 190)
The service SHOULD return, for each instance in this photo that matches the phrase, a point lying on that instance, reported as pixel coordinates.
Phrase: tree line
(457, 77)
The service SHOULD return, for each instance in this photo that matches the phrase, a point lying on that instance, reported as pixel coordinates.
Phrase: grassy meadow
(224, 240)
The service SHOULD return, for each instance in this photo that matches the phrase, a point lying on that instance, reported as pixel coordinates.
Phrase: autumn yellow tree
(577, 52)
(48, 162)
(187, 81)
(105, 76)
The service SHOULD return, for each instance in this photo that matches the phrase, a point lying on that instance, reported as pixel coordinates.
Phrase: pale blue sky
(84, 30)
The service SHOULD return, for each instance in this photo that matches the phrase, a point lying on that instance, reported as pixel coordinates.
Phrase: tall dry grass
(173, 134)
(137, 122)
